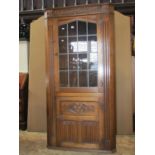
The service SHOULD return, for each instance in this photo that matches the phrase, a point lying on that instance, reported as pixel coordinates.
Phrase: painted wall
(23, 56)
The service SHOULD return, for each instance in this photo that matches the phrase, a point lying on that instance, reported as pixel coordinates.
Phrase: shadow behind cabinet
(23, 100)
(80, 77)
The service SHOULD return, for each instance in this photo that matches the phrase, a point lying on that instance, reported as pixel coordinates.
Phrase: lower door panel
(78, 122)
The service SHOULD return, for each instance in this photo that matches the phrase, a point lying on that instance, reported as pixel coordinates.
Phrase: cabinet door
(77, 76)
(80, 70)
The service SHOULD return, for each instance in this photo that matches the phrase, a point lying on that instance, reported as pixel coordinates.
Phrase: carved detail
(80, 108)
(75, 11)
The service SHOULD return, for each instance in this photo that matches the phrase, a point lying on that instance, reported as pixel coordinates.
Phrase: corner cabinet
(80, 78)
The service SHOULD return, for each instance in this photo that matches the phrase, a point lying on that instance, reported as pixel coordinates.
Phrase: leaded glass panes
(78, 54)
(63, 45)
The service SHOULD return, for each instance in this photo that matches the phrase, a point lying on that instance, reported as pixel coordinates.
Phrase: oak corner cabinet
(80, 78)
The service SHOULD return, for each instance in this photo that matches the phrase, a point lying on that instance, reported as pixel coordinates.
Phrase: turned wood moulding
(80, 78)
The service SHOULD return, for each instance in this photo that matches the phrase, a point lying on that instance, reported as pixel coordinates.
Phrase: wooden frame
(103, 95)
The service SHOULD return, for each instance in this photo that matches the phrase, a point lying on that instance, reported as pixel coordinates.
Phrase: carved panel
(74, 11)
(78, 132)
(90, 132)
(78, 108)
(67, 131)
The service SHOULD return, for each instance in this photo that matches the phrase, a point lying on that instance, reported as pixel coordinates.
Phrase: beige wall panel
(37, 88)
(123, 74)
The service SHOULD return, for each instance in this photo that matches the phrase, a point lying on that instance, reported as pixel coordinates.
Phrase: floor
(34, 143)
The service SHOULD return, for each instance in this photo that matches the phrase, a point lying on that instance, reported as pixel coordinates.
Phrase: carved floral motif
(80, 108)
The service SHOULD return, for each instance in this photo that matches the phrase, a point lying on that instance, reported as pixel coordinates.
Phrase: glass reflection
(93, 61)
(92, 43)
(72, 29)
(73, 44)
(73, 61)
(83, 60)
(82, 44)
(63, 30)
(78, 54)
(63, 45)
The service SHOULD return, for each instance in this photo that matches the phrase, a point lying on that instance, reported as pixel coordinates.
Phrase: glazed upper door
(78, 65)
(77, 76)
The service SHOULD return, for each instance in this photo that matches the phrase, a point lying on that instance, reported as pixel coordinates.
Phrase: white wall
(23, 56)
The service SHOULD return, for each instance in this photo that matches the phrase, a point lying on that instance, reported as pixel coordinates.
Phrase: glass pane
(63, 79)
(72, 28)
(93, 61)
(81, 2)
(83, 79)
(73, 44)
(129, 1)
(78, 54)
(70, 2)
(73, 61)
(92, 1)
(116, 1)
(63, 30)
(93, 78)
(63, 45)
(37, 4)
(92, 43)
(104, 1)
(82, 44)
(63, 63)
(73, 78)
(91, 28)
(27, 5)
(19, 5)
(81, 28)
(48, 4)
(59, 3)
(83, 60)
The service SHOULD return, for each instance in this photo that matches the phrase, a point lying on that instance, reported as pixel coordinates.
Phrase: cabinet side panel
(123, 74)
(37, 87)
